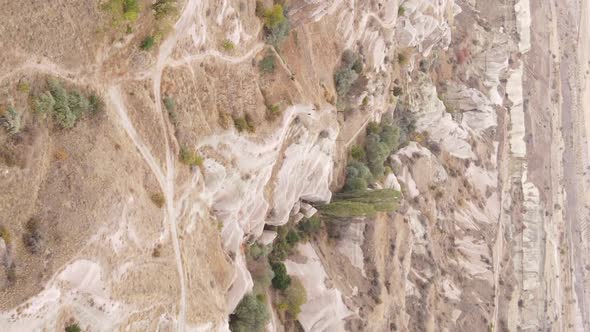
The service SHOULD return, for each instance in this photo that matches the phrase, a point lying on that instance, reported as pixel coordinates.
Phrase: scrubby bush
(251, 315)
(397, 91)
(267, 64)
(33, 237)
(96, 103)
(402, 59)
(5, 235)
(281, 279)
(228, 45)
(190, 158)
(169, 103)
(357, 152)
(344, 78)
(276, 24)
(147, 43)
(294, 297)
(256, 250)
(164, 9)
(273, 112)
(310, 226)
(65, 107)
(122, 10)
(358, 176)
(73, 328)
(158, 199)
(11, 120)
(350, 67)
(401, 10)
(244, 123)
(292, 237)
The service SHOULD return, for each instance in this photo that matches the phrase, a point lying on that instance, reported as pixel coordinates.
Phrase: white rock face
(431, 116)
(350, 245)
(425, 24)
(324, 309)
(237, 190)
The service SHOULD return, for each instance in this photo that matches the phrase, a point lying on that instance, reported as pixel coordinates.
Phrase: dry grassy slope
(89, 186)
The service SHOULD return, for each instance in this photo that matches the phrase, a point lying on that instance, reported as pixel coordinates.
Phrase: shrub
(65, 107)
(255, 251)
(273, 16)
(164, 8)
(281, 279)
(402, 59)
(32, 237)
(244, 123)
(251, 315)
(267, 64)
(310, 226)
(358, 176)
(122, 10)
(401, 10)
(96, 104)
(23, 87)
(73, 328)
(344, 78)
(5, 235)
(169, 103)
(228, 45)
(357, 152)
(276, 24)
(158, 199)
(294, 296)
(190, 158)
(11, 120)
(147, 43)
(397, 91)
(292, 237)
(273, 112)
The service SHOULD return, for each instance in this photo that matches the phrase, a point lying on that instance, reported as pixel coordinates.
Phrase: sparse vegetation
(276, 23)
(293, 298)
(65, 107)
(273, 112)
(190, 158)
(11, 120)
(357, 152)
(122, 10)
(23, 86)
(5, 235)
(244, 123)
(267, 64)
(402, 59)
(33, 237)
(228, 45)
(169, 103)
(158, 199)
(281, 279)
(164, 9)
(147, 43)
(73, 328)
(309, 227)
(348, 72)
(397, 91)
(96, 104)
(401, 11)
(251, 315)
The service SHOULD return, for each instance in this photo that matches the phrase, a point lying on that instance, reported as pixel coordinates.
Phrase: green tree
(292, 237)
(147, 43)
(250, 315)
(267, 64)
(294, 297)
(274, 16)
(281, 279)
